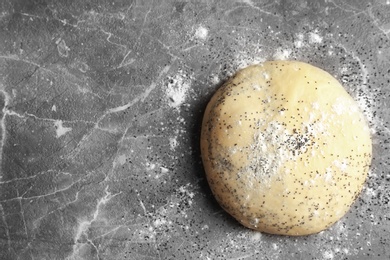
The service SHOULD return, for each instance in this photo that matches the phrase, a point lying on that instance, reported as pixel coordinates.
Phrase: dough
(285, 148)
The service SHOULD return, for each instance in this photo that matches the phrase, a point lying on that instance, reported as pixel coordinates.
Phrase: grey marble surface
(100, 107)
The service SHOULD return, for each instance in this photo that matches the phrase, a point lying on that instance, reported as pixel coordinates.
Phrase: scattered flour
(328, 255)
(328, 175)
(121, 159)
(303, 40)
(242, 60)
(371, 192)
(315, 105)
(339, 108)
(150, 166)
(159, 222)
(256, 236)
(314, 37)
(215, 79)
(298, 43)
(163, 170)
(201, 33)
(343, 165)
(177, 89)
(282, 54)
(173, 142)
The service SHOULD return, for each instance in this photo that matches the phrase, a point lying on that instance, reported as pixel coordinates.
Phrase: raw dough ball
(285, 148)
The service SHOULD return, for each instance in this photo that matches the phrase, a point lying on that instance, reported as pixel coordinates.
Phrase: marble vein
(3, 127)
(16, 58)
(108, 39)
(31, 15)
(115, 156)
(84, 225)
(63, 21)
(140, 97)
(167, 47)
(55, 121)
(250, 4)
(125, 63)
(6, 227)
(377, 24)
(37, 220)
(142, 205)
(22, 214)
(55, 192)
(348, 7)
(114, 231)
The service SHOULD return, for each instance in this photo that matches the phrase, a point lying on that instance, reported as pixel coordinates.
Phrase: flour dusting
(201, 33)
(328, 255)
(303, 40)
(282, 54)
(122, 159)
(299, 42)
(314, 37)
(177, 89)
(244, 60)
(256, 236)
(173, 142)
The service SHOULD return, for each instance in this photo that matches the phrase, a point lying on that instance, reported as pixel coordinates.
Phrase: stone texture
(100, 107)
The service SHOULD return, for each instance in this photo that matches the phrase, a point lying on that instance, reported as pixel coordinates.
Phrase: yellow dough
(285, 148)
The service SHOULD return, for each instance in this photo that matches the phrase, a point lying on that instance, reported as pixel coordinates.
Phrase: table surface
(101, 104)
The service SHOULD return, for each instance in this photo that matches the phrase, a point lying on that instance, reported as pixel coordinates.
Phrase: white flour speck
(121, 159)
(158, 222)
(282, 54)
(298, 43)
(315, 105)
(244, 60)
(164, 170)
(341, 165)
(370, 192)
(328, 175)
(205, 227)
(256, 236)
(201, 33)
(215, 79)
(177, 89)
(173, 142)
(314, 37)
(338, 108)
(328, 255)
